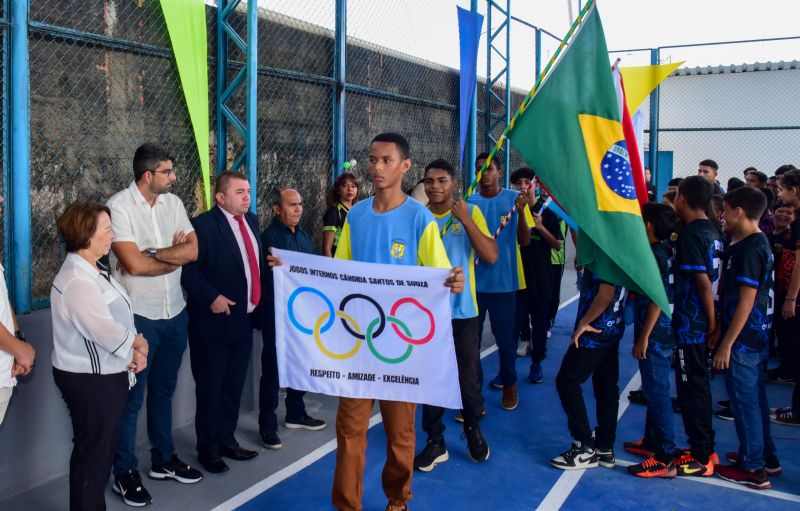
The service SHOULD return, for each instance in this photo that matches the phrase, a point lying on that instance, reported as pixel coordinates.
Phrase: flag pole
(522, 106)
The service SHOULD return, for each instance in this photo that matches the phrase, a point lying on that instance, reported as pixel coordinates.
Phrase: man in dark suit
(223, 290)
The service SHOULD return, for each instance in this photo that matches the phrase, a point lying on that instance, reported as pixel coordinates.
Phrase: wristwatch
(152, 252)
(19, 334)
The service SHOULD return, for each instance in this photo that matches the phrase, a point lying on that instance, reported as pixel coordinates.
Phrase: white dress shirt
(6, 359)
(93, 330)
(133, 219)
(237, 233)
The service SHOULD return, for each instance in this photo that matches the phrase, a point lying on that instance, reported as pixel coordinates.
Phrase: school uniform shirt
(134, 220)
(460, 252)
(784, 246)
(93, 329)
(698, 250)
(506, 275)
(749, 262)
(610, 323)
(6, 318)
(333, 221)
(537, 256)
(661, 338)
(406, 235)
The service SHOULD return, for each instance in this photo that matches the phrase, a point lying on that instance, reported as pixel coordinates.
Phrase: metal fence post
(222, 80)
(252, 101)
(538, 63)
(339, 90)
(20, 196)
(653, 160)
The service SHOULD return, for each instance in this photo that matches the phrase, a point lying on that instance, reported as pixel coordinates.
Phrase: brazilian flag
(571, 134)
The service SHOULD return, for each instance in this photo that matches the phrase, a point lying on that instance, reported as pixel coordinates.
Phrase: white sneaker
(575, 458)
(523, 347)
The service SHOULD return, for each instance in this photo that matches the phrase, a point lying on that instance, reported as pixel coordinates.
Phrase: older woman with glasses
(96, 350)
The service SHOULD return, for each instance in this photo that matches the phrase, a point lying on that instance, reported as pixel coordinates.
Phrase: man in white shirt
(154, 239)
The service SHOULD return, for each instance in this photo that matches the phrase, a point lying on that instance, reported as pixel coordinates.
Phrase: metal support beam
(538, 53)
(653, 143)
(339, 90)
(247, 77)
(503, 53)
(20, 196)
(467, 168)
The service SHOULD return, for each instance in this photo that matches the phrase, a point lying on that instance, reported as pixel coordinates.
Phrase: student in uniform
(653, 347)
(594, 352)
(496, 284)
(467, 237)
(746, 308)
(341, 197)
(697, 271)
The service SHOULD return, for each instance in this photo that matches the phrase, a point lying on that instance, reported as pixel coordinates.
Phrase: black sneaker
(477, 448)
(307, 422)
(128, 485)
(435, 452)
(725, 414)
(177, 470)
(577, 457)
(606, 458)
(270, 439)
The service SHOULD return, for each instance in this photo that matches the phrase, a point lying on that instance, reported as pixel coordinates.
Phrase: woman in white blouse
(96, 349)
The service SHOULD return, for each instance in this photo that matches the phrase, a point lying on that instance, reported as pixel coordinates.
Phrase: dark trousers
(602, 364)
(532, 320)
(219, 367)
(694, 398)
(659, 430)
(468, 359)
(166, 339)
(500, 307)
(95, 403)
(788, 333)
(555, 303)
(269, 386)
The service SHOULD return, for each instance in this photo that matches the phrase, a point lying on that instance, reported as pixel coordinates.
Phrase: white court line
(315, 455)
(558, 494)
(715, 481)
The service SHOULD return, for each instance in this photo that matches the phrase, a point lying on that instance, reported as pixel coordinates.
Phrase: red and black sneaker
(687, 465)
(651, 467)
(772, 466)
(755, 479)
(638, 447)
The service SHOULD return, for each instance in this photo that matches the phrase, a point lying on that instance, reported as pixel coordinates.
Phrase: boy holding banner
(466, 235)
(388, 228)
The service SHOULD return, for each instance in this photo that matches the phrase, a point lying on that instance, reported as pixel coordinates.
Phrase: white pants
(5, 397)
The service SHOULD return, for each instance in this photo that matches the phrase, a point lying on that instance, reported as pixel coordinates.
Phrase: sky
(428, 29)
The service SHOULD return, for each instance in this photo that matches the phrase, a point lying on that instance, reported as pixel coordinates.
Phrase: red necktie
(255, 278)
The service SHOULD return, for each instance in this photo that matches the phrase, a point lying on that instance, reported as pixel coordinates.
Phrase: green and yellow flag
(571, 134)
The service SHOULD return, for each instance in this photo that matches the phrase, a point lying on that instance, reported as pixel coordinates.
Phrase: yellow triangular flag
(640, 81)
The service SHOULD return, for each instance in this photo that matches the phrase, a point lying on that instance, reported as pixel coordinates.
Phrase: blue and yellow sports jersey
(662, 337)
(506, 274)
(610, 322)
(698, 250)
(460, 252)
(749, 262)
(406, 235)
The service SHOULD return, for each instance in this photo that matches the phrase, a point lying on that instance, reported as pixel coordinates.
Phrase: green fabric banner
(186, 22)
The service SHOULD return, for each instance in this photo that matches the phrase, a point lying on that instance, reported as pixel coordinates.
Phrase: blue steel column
(538, 54)
(653, 160)
(507, 145)
(20, 196)
(472, 127)
(252, 101)
(491, 79)
(487, 103)
(339, 93)
(222, 80)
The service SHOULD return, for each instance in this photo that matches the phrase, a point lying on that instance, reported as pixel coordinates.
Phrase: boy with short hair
(653, 347)
(746, 315)
(697, 268)
(594, 352)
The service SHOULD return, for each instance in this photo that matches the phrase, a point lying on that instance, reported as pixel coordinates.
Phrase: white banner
(352, 329)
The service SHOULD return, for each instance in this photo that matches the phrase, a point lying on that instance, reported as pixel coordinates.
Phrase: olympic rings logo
(374, 329)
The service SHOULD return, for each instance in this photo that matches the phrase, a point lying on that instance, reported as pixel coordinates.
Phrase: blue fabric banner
(469, 34)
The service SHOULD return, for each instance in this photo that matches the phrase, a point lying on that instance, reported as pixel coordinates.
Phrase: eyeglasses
(165, 172)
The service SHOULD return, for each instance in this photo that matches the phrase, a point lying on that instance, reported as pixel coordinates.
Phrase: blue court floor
(518, 477)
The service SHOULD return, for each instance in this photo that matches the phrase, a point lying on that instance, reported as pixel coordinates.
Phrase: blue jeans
(659, 425)
(502, 314)
(167, 342)
(745, 380)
